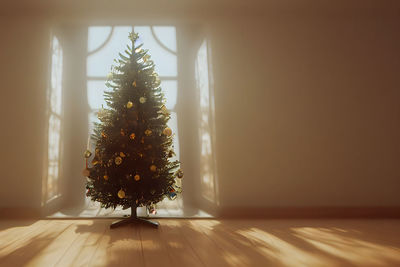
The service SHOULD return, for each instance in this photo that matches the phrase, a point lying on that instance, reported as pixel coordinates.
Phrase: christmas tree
(132, 164)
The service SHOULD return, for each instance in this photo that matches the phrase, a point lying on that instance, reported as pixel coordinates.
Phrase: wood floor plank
(119, 247)
(204, 247)
(52, 253)
(11, 235)
(180, 251)
(24, 250)
(83, 246)
(234, 251)
(89, 247)
(154, 247)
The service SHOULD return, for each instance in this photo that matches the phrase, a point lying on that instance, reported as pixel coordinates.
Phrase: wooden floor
(201, 242)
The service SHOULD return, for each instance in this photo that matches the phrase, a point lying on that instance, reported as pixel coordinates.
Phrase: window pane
(167, 35)
(170, 90)
(97, 36)
(99, 63)
(173, 124)
(165, 61)
(56, 77)
(95, 91)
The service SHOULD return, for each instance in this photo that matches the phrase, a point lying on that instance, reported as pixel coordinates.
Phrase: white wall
(23, 66)
(308, 111)
(306, 102)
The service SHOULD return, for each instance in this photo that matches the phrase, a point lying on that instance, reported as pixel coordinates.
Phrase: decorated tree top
(132, 163)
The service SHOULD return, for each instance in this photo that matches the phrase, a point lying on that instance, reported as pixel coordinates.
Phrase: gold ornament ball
(136, 177)
(167, 131)
(118, 160)
(142, 100)
(180, 174)
(87, 154)
(86, 172)
(132, 136)
(148, 132)
(105, 177)
(129, 104)
(153, 168)
(134, 84)
(121, 193)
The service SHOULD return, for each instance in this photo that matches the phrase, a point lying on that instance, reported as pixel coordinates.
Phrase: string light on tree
(153, 168)
(129, 104)
(142, 100)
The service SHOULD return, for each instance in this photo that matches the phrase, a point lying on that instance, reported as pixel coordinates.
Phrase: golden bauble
(87, 154)
(148, 132)
(153, 168)
(136, 177)
(167, 131)
(118, 160)
(121, 193)
(132, 136)
(180, 174)
(142, 100)
(129, 104)
(134, 84)
(105, 177)
(86, 172)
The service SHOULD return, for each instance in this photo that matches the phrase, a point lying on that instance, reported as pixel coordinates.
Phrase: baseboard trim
(254, 213)
(310, 212)
(20, 213)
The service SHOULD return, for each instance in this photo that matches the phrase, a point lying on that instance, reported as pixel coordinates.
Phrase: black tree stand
(133, 219)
